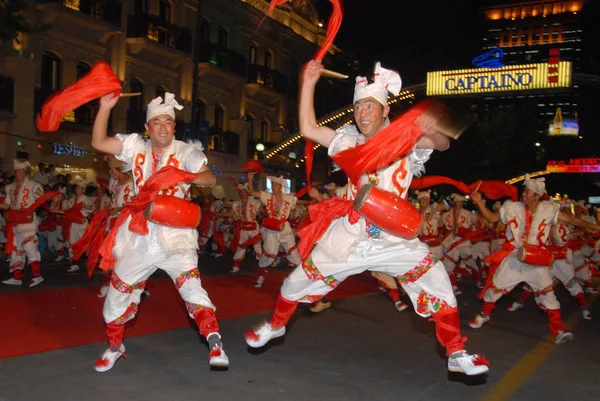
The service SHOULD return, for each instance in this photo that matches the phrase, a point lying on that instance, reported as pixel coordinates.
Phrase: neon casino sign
(585, 165)
(69, 149)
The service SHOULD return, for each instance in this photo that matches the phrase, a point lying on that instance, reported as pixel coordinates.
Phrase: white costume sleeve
(195, 160)
(264, 197)
(345, 138)
(128, 143)
(418, 158)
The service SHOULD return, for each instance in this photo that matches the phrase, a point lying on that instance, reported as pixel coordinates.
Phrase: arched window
(250, 121)
(264, 131)
(252, 53)
(164, 10)
(141, 6)
(200, 111)
(51, 71)
(160, 91)
(268, 59)
(219, 115)
(223, 37)
(205, 31)
(136, 102)
(82, 69)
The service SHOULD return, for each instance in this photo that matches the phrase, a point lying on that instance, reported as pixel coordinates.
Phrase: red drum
(273, 224)
(431, 240)
(18, 217)
(461, 232)
(388, 212)
(248, 225)
(535, 255)
(173, 212)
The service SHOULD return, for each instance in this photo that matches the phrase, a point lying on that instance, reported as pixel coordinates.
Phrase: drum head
(362, 197)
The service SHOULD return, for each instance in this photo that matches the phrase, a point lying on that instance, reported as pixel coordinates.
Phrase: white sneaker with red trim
(470, 365)
(259, 336)
(478, 321)
(108, 359)
(400, 306)
(563, 337)
(515, 306)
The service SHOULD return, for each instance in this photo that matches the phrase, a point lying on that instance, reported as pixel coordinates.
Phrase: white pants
(563, 270)
(26, 250)
(240, 253)
(205, 236)
(132, 271)
(480, 250)
(581, 266)
(422, 276)
(270, 249)
(511, 272)
(462, 251)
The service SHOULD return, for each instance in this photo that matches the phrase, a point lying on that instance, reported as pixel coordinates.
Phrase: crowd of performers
(130, 228)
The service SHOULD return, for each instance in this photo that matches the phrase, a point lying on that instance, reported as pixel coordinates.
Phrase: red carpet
(45, 320)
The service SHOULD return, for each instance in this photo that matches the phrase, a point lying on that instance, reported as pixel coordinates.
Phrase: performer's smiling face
(424, 202)
(370, 116)
(276, 187)
(20, 174)
(530, 197)
(161, 129)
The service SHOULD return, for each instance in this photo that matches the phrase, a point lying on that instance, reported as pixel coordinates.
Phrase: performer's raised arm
(308, 119)
(567, 218)
(485, 212)
(100, 140)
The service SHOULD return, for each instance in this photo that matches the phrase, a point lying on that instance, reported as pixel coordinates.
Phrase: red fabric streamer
(164, 178)
(83, 243)
(467, 237)
(100, 81)
(10, 235)
(493, 189)
(321, 216)
(94, 249)
(434, 180)
(391, 143)
(103, 182)
(72, 215)
(303, 191)
(253, 165)
(494, 261)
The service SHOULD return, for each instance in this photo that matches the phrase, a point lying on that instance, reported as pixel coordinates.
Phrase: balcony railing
(225, 142)
(259, 74)
(157, 30)
(224, 58)
(7, 94)
(102, 10)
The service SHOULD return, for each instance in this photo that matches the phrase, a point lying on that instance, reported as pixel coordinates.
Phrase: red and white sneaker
(515, 306)
(108, 359)
(456, 290)
(478, 321)
(35, 281)
(102, 291)
(591, 290)
(563, 337)
(73, 268)
(218, 358)
(12, 281)
(586, 314)
(400, 306)
(259, 336)
(470, 365)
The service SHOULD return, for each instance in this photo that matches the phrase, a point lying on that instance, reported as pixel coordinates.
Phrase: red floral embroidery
(416, 273)
(185, 276)
(140, 159)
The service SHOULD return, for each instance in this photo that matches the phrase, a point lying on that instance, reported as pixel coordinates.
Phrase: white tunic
(21, 198)
(138, 158)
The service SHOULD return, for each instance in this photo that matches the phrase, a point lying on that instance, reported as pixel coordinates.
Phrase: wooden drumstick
(131, 94)
(333, 74)
(478, 185)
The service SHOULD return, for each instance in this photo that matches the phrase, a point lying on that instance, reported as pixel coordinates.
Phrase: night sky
(414, 37)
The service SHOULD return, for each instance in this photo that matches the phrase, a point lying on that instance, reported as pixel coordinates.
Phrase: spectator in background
(41, 176)
(1, 176)
(50, 173)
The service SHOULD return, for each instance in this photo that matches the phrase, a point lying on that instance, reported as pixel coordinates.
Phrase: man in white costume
(459, 222)
(208, 226)
(173, 250)
(75, 229)
(20, 195)
(245, 212)
(528, 225)
(347, 249)
(279, 205)
(431, 228)
(498, 229)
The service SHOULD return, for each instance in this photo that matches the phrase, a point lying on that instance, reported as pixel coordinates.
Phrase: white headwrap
(218, 192)
(21, 164)
(537, 185)
(243, 187)
(457, 198)
(497, 205)
(384, 81)
(423, 194)
(156, 107)
(81, 183)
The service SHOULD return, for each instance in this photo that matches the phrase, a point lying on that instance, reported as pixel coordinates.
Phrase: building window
(50, 73)
(222, 37)
(136, 103)
(219, 118)
(264, 131)
(252, 53)
(268, 59)
(205, 31)
(250, 121)
(85, 113)
(140, 6)
(164, 10)
(200, 111)
(82, 69)
(160, 91)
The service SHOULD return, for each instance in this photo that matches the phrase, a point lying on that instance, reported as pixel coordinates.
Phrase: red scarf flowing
(100, 81)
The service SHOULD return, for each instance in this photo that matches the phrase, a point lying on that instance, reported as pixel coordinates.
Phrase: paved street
(359, 349)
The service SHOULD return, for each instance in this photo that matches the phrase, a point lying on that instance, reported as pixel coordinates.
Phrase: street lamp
(538, 144)
(292, 155)
(260, 147)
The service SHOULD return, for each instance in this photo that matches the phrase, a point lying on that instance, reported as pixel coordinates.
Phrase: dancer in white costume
(347, 249)
(529, 224)
(173, 250)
